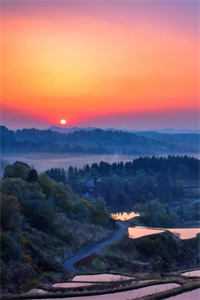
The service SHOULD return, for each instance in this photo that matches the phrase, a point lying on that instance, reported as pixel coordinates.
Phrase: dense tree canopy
(137, 184)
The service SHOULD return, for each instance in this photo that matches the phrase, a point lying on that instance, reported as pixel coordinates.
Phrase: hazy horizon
(66, 128)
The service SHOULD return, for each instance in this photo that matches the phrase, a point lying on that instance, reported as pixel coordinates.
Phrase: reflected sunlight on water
(124, 216)
(183, 233)
(192, 273)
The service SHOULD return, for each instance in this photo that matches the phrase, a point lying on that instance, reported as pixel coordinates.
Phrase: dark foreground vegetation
(165, 190)
(97, 141)
(159, 253)
(42, 222)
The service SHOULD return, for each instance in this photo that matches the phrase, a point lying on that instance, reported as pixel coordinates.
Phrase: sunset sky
(116, 63)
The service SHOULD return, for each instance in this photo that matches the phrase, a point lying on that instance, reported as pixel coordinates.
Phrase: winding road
(97, 247)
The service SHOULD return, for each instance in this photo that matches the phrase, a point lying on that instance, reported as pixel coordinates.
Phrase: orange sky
(82, 62)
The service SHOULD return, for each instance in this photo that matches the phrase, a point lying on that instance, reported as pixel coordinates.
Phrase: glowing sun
(63, 121)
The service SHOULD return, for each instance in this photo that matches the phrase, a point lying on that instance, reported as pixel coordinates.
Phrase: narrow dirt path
(97, 247)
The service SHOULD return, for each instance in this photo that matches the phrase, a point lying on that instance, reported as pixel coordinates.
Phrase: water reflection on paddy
(132, 294)
(101, 277)
(70, 284)
(192, 273)
(124, 216)
(183, 233)
(192, 295)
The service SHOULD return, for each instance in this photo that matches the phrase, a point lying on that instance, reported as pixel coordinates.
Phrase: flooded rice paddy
(131, 294)
(101, 277)
(183, 233)
(195, 273)
(70, 284)
(192, 295)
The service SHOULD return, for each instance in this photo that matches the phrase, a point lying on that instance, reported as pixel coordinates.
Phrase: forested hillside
(42, 222)
(96, 141)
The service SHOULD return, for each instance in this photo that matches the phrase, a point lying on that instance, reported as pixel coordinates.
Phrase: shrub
(17, 170)
(10, 248)
(10, 217)
(32, 176)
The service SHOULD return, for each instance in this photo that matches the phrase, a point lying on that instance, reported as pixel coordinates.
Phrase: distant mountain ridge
(67, 130)
(97, 141)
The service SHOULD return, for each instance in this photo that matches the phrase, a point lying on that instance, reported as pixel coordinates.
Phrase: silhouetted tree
(32, 176)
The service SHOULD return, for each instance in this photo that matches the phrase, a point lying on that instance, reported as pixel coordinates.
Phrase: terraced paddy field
(90, 279)
(71, 284)
(131, 294)
(118, 287)
(195, 273)
(101, 277)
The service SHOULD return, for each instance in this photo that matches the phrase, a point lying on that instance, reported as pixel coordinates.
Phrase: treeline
(176, 166)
